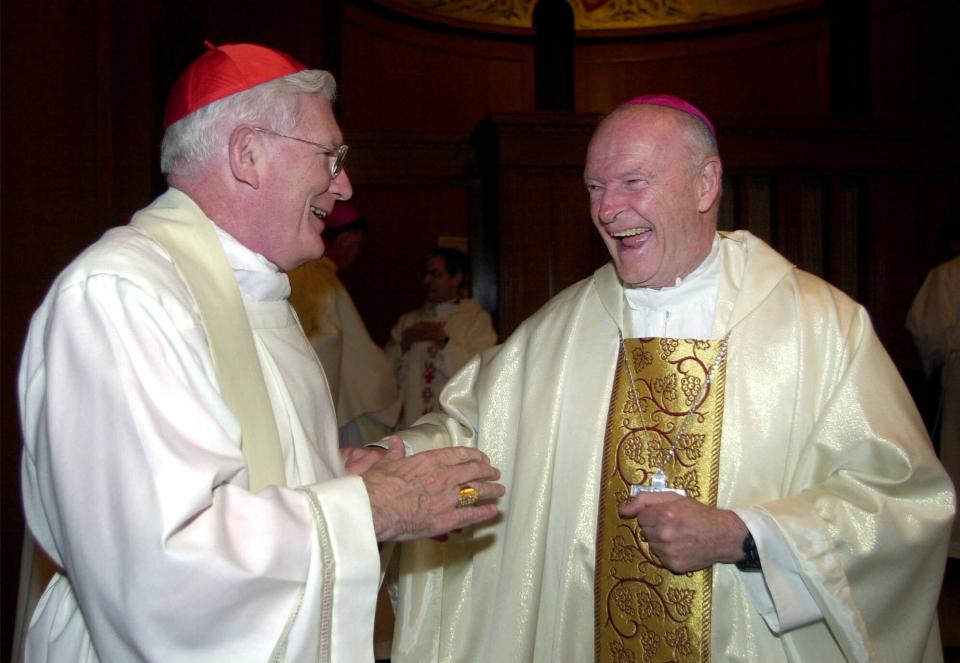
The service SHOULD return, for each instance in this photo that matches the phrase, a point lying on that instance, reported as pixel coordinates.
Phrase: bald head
(653, 175)
(698, 137)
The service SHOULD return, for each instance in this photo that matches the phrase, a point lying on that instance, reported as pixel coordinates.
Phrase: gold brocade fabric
(645, 613)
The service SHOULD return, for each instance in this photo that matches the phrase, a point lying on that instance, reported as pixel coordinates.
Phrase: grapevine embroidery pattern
(650, 613)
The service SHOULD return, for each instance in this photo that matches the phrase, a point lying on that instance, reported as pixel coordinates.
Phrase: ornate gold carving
(595, 14)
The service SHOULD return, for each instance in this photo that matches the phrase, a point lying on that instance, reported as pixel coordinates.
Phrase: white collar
(700, 283)
(684, 310)
(258, 278)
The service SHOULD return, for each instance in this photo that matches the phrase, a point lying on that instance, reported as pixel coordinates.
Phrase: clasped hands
(426, 330)
(685, 534)
(416, 496)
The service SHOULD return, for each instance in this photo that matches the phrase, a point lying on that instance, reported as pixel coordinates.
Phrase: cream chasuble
(818, 433)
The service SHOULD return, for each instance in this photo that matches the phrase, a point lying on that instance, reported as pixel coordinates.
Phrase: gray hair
(701, 136)
(192, 140)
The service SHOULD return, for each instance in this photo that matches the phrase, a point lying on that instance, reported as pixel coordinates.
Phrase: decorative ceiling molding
(590, 14)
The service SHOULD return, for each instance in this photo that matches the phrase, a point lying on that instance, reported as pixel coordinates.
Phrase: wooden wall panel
(740, 73)
(547, 241)
(578, 248)
(889, 288)
(49, 206)
(400, 77)
(844, 233)
(533, 176)
(913, 59)
(757, 196)
(526, 244)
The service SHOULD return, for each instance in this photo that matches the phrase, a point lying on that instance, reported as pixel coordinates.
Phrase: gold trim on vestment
(644, 612)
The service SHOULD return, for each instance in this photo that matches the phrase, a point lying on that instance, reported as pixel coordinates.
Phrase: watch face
(751, 560)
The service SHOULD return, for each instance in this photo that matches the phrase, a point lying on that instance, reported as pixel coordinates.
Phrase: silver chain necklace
(658, 480)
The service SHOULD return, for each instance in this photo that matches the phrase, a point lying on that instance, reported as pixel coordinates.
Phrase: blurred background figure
(429, 344)
(934, 322)
(360, 377)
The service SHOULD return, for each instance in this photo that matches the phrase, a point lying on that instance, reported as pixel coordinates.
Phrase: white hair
(701, 136)
(190, 142)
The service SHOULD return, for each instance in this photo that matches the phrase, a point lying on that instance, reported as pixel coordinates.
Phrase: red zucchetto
(222, 71)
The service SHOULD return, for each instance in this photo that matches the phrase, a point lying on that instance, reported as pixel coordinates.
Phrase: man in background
(934, 323)
(181, 465)
(360, 377)
(429, 344)
(709, 454)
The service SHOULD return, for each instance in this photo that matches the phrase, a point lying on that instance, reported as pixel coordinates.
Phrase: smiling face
(653, 194)
(296, 188)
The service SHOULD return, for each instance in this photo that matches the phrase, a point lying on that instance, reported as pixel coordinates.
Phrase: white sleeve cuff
(352, 559)
(778, 591)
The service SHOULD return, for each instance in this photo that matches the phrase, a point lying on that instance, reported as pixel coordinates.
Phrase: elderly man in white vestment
(707, 452)
(360, 377)
(181, 465)
(429, 344)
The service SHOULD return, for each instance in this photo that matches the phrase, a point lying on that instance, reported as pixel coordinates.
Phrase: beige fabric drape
(187, 235)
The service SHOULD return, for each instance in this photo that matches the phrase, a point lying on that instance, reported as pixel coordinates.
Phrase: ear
(458, 278)
(246, 155)
(709, 183)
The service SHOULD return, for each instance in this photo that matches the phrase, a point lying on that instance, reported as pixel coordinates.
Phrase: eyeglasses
(335, 155)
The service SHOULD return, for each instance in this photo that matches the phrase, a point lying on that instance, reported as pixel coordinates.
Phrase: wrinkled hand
(427, 330)
(685, 534)
(416, 496)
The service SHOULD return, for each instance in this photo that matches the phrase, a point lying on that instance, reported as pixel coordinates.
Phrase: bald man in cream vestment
(824, 465)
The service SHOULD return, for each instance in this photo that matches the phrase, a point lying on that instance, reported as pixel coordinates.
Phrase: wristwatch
(751, 560)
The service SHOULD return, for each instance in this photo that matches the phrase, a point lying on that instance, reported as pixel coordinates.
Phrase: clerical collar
(258, 278)
(444, 309)
(684, 310)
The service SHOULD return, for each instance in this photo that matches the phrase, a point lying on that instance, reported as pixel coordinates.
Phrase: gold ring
(467, 496)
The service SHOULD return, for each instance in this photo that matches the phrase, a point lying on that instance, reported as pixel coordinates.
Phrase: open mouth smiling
(629, 232)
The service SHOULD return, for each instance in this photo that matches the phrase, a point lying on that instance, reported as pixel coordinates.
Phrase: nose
(608, 208)
(341, 186)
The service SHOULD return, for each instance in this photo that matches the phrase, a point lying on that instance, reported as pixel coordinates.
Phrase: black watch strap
(751, 560)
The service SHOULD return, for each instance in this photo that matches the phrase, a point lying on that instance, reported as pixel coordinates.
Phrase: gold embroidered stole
(643, 611)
